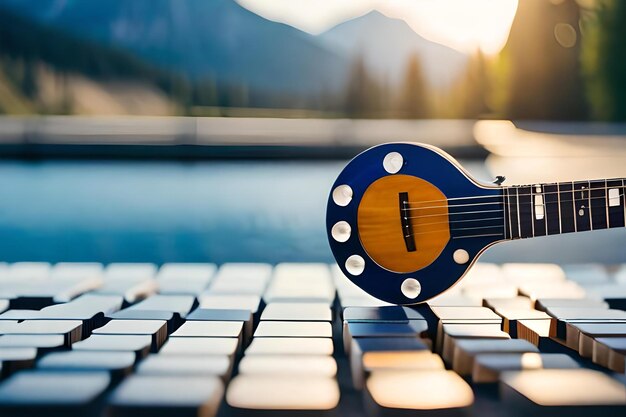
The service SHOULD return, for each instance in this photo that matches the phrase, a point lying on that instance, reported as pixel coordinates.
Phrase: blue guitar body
(468, 204)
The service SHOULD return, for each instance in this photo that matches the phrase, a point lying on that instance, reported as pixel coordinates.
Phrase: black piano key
(389, 314)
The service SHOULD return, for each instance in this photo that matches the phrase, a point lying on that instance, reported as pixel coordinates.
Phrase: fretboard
(548, 209)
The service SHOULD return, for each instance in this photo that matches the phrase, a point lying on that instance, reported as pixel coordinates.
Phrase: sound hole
(382, 226)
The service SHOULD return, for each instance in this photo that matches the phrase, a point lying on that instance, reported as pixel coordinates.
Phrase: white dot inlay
(411, 288)
(393, 162)
(341, 231)
(342, 195)
(355, 265)
(460, 256)
(581, 212)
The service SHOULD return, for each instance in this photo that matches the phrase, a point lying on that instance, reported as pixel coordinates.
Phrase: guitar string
(520, 195)
(509, 203)
(468, 220)
(454, 230)
(462, 221)
(501, 202)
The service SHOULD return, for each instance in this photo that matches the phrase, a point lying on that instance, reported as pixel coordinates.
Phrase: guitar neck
(565, 207)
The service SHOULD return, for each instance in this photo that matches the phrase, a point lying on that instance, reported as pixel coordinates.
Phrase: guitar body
(405, 221)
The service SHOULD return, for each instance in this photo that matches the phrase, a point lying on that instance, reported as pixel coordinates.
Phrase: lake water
(269, 211)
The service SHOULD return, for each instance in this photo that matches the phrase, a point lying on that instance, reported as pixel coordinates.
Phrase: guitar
(405, 221)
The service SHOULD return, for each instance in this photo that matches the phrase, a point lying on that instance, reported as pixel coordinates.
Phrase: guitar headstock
(395, 217)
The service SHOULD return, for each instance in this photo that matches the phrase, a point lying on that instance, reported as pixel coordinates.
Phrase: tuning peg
(499, 179)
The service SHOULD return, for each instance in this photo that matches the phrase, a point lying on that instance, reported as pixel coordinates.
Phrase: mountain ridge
(386, 43)
(216, 39)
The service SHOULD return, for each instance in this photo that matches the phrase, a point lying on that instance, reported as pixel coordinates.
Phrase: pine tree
(363, 97)
(413, 101)
(544, 79)
(604, 59)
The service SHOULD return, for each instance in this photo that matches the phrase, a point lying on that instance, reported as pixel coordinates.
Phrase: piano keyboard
(84, 339)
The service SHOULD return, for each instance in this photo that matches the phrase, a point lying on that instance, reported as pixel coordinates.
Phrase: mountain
(386, 44)
(204, 39)
(45, 70)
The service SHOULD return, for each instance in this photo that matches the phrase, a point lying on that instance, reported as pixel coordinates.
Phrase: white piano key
(247, 271)
(195, 365)
(230, 301)
(130, 271)
(488, 367)
(184, 271)
(210, 329)
(200, 346)
(292, 281)
(297, 312)
(426, 391)
(304, 365)
(293, 329)
(290, 346)
(132, 289)
(29, 270)
(282, 392)
(63, 270)
(182, 395)
(181, 304)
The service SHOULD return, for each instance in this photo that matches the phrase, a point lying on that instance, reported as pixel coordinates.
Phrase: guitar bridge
(405, 220)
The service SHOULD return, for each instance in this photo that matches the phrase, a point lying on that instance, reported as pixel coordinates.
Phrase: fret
(519, 226)
(573, 202)
(553, 218)
(567, 211)
(513, 214)
(581, 204)
(566, 207)
(525, 211)
(615, 206)
(598, 204)
(507, 214)
(540, 227)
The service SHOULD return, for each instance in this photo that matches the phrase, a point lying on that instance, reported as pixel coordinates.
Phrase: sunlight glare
(460, 24)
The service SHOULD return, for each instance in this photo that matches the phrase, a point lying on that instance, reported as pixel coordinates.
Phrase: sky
(460, 24)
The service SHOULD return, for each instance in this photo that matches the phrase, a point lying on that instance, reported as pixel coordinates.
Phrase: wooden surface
(380, 228)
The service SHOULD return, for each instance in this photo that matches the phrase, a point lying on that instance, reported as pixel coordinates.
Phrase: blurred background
(194, 130)
(536, 59)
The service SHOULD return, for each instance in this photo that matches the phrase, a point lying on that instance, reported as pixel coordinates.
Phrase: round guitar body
(405, 222)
